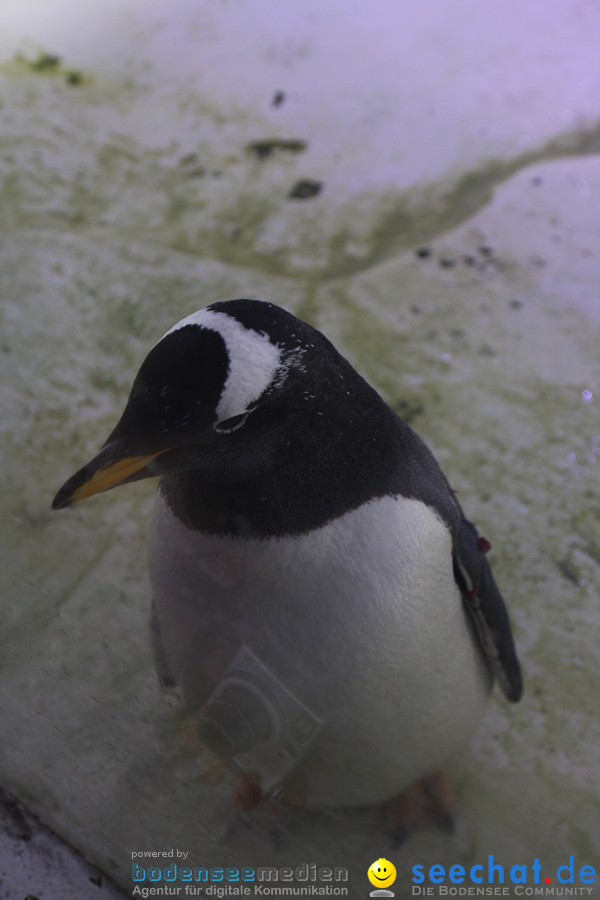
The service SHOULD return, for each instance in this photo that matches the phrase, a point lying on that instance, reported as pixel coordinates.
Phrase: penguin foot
(294, 792)
(184, 728)
(254, 809)
(287, 808)
(427, 802)
(276, 815)
(247, 792)
(213, 769)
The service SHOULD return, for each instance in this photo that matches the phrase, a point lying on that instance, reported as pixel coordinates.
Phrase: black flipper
(484, 601)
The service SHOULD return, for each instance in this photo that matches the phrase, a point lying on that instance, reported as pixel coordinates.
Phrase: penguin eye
(226, 426)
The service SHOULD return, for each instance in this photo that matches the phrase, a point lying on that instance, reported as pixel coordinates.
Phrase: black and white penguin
(318, 596)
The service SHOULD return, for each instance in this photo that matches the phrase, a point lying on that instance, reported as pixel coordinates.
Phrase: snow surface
(447, 242)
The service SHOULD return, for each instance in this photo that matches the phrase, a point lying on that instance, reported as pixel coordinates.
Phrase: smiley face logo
(382, 873)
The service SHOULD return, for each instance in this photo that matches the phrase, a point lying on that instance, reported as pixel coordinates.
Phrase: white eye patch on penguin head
(254, 362)
(208, 371)
(180, 383)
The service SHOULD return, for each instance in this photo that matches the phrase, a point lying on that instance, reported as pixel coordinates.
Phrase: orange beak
(105, 471)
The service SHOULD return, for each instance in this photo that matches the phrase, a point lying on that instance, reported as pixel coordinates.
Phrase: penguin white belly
(360, 620)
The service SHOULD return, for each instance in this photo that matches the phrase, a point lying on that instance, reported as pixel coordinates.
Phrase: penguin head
(197, 395)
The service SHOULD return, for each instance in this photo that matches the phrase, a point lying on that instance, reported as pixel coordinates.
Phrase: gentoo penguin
(319, 598)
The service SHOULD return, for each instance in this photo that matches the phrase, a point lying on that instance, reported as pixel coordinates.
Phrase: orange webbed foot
(425, 803)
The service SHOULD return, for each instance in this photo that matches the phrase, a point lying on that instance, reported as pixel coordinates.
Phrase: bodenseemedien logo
(182, 879)
(519, 880)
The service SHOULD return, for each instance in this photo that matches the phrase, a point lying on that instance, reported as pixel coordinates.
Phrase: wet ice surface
(461, 281)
